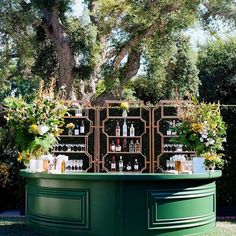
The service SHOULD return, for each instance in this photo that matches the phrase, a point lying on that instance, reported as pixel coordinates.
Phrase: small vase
(70, 132)
(124, 114)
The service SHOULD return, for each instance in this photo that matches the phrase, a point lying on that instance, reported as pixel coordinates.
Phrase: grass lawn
(16, 226)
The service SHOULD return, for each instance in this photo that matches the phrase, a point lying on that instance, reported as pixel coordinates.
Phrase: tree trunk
(56, 32)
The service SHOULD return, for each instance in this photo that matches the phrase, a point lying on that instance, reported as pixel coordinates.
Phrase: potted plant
(37, 125)
(202, 130)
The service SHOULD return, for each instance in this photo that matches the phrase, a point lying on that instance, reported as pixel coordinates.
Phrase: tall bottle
(82, 127)
(113, 164)
(124, 145)
(121, 164)
(137, 147)
(132, 131)
(117, 129)
(124, 129)
(78, 111)
(136, 165)
(131, 146)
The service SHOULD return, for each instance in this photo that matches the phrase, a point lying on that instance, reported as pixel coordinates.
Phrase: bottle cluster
(124, 130)
(78, 130)
(131, 146)
(69, 147)
(119, 165)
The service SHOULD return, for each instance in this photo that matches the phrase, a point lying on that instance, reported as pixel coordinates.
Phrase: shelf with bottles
(121, 163)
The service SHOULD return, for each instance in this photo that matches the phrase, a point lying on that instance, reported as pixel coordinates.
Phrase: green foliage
(36, 124)
(202, 129)
(217, 66)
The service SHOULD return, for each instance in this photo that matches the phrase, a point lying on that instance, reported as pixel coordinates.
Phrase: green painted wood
(97, 204)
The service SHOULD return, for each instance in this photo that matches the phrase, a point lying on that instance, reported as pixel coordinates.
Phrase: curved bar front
(121, 204)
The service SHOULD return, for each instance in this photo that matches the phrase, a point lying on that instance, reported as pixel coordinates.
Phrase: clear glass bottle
(78, 111)
(121, 164)
(131, 146)
(113, 164)
(82, 128)
(136, 165)
(137, 147)
(124, 129)
(132, 131)
(117, 129)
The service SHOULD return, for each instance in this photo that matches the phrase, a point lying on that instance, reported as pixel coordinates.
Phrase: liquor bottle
(121, 164)
(117, 129)
(124, 129)
(82, 127)
(113, 164)
(131, 146)
(174, 125)
(137, 146)
(78, 111)
(136, 166)
(118, 146)
(128, 166)
(76, 130)
(132, 131)
(124, 145)
(112, 146)
(169, 132)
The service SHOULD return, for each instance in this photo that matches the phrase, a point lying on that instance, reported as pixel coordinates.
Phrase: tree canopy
(110, 43)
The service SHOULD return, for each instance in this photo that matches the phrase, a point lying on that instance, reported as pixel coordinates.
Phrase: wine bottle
(76, 130)
(124, 129)
(132, 131)
(131, 146)
(136, 165)
(117, 129)
(112, 146)
(82, 127)
(137, 146)
(121, 164)
(118, 146)
(113, 164)
(124, 145)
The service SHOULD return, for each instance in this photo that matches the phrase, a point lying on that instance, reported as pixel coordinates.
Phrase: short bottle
(124, 129)
(76, 131)
(137, 147)
(132, 131)
(78, 111)
(82, 128)
(121, 164)
(117, 129)
(113, 164)
(136, 165)
(128, 166)
(131, 146)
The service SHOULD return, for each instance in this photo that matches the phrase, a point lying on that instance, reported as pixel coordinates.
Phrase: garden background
(123, 50)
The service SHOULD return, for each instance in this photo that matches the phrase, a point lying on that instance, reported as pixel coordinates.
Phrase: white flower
(204, 136)
(42, 129)
(201, 140)
(224, 140)
(211, 141)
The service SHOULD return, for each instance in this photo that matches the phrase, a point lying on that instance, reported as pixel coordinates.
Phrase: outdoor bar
(115, 204)
(120, 170)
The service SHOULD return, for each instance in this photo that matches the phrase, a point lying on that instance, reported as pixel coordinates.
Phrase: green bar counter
(121, 204)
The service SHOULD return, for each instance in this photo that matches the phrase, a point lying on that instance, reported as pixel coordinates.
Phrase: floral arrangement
(124, 105)
(202, 129)
(70, 126)
(37, 125)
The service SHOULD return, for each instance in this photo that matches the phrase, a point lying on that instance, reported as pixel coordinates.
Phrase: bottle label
(135, 167)
(82, 129)
(113, 166)
(76, 131)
